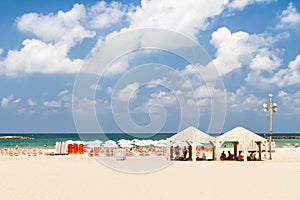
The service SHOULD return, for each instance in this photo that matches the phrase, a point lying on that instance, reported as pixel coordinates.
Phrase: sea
(49, 139)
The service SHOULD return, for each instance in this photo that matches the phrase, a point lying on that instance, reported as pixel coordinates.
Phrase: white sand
(81, 177)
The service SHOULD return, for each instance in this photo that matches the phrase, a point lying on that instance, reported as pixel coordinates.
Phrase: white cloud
(63, 26)
(64, 96)
(85, 106)
(30, 102)
(109, 90)
(207, 92)
(162, 98)
(157, 82)
(63, 93)
(129, 92)
(6, 100)
(1, 51)
(104, 14)
(235, 50)
(95, 87)
(265, 60)
(242, 100)
(187, 17)
(17, 100)
(241, 4)
(289, 17)
(283, 77)
(38, 57)
(289, 75)
(288, 103)
(156, 102)
(117, 66)
(48, 53)
(52, 103)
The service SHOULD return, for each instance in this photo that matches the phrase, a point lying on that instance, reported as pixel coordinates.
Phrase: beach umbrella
(143, 143)
(162, 141)
(134, 141)
(122, 141)
(110, 144)
(126, 145)
(95, 143)
(150, 142)
(157, 144)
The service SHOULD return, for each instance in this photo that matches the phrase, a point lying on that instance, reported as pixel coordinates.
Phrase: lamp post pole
(271, 124)
(271, 108)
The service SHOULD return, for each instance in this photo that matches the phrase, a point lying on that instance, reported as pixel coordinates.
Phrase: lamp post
(271, 108)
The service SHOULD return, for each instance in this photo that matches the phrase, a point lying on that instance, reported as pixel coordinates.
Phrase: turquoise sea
(38, 140)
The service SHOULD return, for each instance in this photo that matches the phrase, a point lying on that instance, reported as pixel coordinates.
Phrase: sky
(148, 65)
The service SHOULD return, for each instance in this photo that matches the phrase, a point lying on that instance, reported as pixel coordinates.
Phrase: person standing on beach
(184, 153)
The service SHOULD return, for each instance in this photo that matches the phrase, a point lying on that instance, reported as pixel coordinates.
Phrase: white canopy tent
(192, 136)
(243, 136)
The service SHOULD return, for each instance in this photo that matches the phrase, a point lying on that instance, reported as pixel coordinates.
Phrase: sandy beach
(82, 177)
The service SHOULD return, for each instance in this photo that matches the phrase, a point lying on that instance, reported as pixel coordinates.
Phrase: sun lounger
(81, 149)
(64, 149)
(70, 148)
(57, 148)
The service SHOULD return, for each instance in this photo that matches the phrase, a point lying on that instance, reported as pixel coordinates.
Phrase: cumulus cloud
(129, 92)
(288, 103)
(241, 4)
(242, 100)
(95, 87)
(39, 57)
(104, 15)
(86, 106)
(187, 17)
(6, 100)
(289, 18)
(1, 51)
(265, 60)
(157, 82)
(65, 26)
(52, 103)
(283, 77)
(30, 102)
(239, 49)
(48, 52)
(17, 100)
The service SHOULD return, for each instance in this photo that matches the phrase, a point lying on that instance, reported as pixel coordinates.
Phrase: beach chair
(75, 148)
(96, 151)
(57, 148)
(70, 148)
(81, 149)
(64, 149)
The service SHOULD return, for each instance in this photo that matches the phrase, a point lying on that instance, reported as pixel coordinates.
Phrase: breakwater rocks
(14, 137)
(283, 137)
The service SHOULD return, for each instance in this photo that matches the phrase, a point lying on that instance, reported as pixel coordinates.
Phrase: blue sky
(253, 47)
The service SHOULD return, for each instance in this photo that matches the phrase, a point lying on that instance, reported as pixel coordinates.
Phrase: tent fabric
(192, 134)
(240, 134)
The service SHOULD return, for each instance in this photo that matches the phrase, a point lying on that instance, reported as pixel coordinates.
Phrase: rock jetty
(14, 137)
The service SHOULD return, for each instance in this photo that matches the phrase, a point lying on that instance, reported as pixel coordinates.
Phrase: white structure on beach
(193, 137)
(240, 135)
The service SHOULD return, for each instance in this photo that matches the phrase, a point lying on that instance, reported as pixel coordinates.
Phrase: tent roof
(192, 134)
(239, 134)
